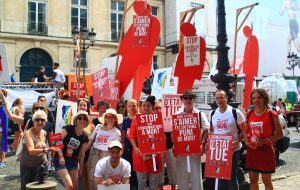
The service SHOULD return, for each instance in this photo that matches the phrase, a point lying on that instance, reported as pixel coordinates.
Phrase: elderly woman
(262, 130)
(75, 142)
(102, 135)
(34, 150)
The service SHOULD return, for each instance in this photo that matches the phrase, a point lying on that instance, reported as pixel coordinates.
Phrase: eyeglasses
(187, 97)
(39, 120)
(157, 108)
(121, 106)
(81, 118)
(109, 117)
(38, 108)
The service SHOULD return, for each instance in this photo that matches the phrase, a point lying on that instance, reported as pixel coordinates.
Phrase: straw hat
(112, 112)
(84, 113)
(188, 93)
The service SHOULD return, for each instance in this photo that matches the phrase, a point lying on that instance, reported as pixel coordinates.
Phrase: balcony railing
(37, 28)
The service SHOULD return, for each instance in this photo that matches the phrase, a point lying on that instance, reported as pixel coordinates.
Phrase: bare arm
(125, 180)
(97, 180)
(18, 119)
(135, 147)
(278, 129)
(283, 9)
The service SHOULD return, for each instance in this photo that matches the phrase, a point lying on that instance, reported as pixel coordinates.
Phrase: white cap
(115, 144)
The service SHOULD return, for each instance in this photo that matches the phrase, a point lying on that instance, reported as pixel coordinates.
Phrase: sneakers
(3, 164)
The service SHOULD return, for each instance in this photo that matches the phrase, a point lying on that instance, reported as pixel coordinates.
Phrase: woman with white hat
(102, 135)
(75, 143)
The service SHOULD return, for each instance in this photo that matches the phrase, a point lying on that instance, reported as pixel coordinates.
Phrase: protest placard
(65, 111)
(219, 156)
(150, 133)
(100, 82)
(111, 94)
(141, 31)
(77, 88)
(56, 140)
(186, 134)
(171, 103)
(191, 50)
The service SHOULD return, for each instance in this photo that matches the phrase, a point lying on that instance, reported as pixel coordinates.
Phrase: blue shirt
(126, 128)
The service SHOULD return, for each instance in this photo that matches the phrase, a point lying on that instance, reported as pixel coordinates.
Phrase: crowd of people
(104, 149)
(57, 75)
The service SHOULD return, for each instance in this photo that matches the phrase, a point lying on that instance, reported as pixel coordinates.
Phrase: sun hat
(188, 93)
(112, 112)
(79, 113)
(115, 143)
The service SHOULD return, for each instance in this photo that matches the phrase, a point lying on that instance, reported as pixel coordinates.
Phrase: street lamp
(293, 61)
(79, 38)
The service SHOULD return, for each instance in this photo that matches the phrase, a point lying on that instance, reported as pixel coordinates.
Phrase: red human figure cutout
(134, 55)
(250, 66)
(187, 75)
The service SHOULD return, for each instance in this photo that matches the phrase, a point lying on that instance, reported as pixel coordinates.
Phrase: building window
(79, 14)
(155, 62)
(117, 10)
(155, 11)
(37, 19)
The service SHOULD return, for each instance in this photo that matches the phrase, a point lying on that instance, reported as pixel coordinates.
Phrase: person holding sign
(226, 120)
(263, 128)
(142, 164)
(102, 135)
(72, 154)
(112, 169)
(125, 130)
(183, 176)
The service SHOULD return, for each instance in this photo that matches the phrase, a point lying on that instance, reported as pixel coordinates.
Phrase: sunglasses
(188, 98)
(81, 118)
(121, 106)
(109, 117)
(39, 120)
(38, 108)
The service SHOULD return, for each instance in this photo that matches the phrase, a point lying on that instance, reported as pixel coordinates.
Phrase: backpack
(270, 116)
(234, 115)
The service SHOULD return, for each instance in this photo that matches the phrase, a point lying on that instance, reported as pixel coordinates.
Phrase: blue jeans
(233, 183)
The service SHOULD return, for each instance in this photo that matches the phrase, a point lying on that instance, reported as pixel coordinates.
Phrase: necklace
(258, 114)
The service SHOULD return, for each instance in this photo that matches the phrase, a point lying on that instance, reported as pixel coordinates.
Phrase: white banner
(64, 115)
(191, 51)
(291, 86)
(28, 97)
(114, 187)
(163, 83)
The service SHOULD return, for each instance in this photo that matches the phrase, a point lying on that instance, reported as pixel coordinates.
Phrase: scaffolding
(45, 86)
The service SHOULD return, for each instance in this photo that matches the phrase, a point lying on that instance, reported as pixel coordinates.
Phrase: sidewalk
(286, 182)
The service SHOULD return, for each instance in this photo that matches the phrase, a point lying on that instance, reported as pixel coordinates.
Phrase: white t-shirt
(60, 76)
(103, 138)
(224, 123)
(106, 171)
(204, 121)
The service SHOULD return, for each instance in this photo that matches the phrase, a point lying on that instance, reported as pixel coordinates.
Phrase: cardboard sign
(141, 31)
(114, 187)
(100, 82)
(171, 103)
(81, 86)
(112, 93)
(219, 157)
(56, 140)
(150, 133)
(187, 134)
(191, 50)
(65, 112)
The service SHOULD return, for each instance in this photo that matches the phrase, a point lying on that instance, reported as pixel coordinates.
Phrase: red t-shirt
(262, 122)
(139, 164)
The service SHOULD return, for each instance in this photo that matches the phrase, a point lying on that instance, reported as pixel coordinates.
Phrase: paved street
(287, 176)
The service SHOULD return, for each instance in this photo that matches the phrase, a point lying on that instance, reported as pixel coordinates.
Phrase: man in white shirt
(228, 120)
(112, 169)
(195, 177)
(58, 75)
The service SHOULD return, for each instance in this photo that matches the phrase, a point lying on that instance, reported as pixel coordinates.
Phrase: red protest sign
(219, 157)
(150, 133)
(56, 141)
(141, 31)
(100, 82)
(186, 134)
(171, 103)
(81, 86)
(111, 93)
